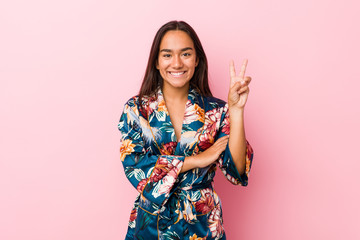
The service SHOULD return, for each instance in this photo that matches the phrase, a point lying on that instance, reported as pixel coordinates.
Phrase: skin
(177, 55)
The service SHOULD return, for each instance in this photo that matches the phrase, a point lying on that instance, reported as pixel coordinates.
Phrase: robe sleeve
(151, 174)
(226, 163)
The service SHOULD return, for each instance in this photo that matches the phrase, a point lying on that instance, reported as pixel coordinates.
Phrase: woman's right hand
(211, 154)
(207, 157)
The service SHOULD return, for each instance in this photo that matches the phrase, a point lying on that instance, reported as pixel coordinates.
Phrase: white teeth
(177, 74)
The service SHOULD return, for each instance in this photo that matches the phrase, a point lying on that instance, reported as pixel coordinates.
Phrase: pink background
(67, 67)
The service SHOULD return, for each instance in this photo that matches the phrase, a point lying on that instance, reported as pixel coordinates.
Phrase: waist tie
(179, 206)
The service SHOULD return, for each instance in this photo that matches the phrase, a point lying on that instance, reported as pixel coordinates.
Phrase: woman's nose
(177, 62)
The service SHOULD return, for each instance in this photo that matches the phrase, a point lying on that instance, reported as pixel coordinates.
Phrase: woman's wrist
(189, 163)
(234, 111)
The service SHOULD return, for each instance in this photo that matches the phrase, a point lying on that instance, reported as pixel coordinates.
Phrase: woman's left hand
(239, 90)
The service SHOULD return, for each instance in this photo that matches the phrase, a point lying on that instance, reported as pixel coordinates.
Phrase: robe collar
(162, 130)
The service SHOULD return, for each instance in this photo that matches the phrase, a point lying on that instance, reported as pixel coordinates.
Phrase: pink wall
(67, 67)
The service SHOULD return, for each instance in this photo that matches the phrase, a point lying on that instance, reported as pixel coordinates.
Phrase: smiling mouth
(177, 74)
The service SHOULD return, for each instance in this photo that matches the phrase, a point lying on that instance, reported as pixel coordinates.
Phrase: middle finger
(243, 69)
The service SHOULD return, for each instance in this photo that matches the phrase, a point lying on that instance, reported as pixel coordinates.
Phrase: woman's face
(176, 60)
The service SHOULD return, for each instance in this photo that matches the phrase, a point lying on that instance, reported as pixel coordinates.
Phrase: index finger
(232, 69)
(243, 69)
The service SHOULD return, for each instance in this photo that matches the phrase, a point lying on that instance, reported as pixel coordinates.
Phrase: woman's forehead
(176, 40)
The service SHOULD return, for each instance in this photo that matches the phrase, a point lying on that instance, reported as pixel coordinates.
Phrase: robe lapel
(163, 131)
(193, 124)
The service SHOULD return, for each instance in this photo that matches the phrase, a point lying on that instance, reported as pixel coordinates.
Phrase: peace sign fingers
(237, 78)
(239, 89)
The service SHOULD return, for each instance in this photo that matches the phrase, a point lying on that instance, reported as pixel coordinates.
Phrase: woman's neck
(172, 94)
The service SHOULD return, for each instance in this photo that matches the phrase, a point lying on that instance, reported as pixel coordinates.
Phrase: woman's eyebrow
(182, 50)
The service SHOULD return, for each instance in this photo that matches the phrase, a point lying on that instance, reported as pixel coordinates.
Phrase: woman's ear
(157, 65)
(197, 62)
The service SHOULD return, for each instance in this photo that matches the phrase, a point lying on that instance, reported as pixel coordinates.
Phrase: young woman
(175, 133)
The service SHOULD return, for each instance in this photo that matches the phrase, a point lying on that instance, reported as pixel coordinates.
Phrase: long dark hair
(153, 79)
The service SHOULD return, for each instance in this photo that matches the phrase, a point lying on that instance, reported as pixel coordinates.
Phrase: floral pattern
(126, 148)
(195, 237)
(170, 204)
(215, 223)
(168, 148)
(206, 202)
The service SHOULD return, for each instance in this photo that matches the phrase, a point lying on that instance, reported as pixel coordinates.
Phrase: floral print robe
(170, 204)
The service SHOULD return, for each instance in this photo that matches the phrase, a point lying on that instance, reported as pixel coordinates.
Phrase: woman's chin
(176, 84)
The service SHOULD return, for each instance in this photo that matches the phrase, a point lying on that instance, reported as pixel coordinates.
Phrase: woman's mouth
(177, 74)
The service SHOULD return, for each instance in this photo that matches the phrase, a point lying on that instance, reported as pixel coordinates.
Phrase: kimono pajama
(170, 204)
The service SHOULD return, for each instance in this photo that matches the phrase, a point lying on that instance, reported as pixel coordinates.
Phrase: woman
(175, 133)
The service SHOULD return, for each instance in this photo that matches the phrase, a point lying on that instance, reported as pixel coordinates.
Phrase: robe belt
(172, 213)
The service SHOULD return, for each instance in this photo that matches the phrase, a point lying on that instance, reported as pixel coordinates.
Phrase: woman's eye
(166, 55)
(187, 54)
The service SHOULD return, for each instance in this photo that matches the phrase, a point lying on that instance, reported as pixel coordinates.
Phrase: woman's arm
(153, 175)
(207, 157)
(238, 94)
(237, 140)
